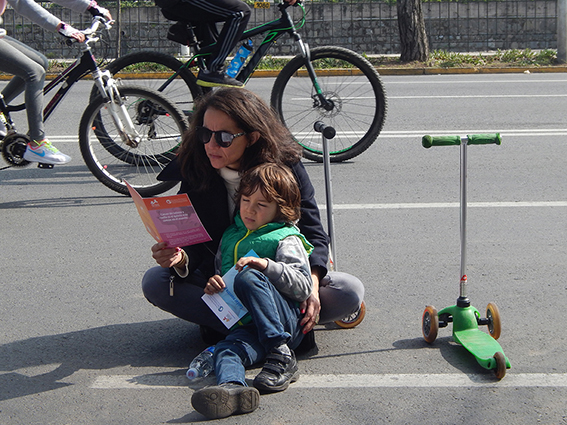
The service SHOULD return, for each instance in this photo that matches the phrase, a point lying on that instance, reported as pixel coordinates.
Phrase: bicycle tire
(160, 125)
(358, 96)
(151, 70)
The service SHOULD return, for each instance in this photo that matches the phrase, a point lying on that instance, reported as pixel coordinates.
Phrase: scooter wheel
(430, 324)
(354, 319)
(493, 316)
(500, 370)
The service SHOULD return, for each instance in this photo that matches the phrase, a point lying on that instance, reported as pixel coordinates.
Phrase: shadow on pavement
(165, 343)
(66, 202)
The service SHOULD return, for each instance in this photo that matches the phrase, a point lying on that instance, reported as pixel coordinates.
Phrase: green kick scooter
(465, 318)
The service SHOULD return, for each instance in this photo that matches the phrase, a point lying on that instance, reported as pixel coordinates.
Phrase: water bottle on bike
(239, 59)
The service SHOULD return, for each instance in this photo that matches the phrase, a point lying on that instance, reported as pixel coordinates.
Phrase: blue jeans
(275, 320)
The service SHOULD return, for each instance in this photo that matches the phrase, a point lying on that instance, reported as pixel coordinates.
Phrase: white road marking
(404, 134)
(503, 133)
(477, 96)
(395, 206)
(511, 380)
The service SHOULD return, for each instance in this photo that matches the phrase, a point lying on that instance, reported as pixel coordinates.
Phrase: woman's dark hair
(251, 114)
(278, 185)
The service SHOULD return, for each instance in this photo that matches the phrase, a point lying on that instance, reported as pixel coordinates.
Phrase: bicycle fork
(319, 99)
(118, 111)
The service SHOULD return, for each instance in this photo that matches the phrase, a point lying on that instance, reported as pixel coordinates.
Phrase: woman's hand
(68, 31)
(256, 263)
(311, 307)
(166, 256)
(214, 285)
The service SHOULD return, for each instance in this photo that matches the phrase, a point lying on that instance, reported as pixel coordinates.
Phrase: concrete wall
(366, 27)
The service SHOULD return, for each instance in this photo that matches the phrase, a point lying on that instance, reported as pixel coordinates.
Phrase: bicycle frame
(274, 30)
(84, 65)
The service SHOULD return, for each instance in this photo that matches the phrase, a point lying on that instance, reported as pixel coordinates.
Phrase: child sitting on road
(270, 287)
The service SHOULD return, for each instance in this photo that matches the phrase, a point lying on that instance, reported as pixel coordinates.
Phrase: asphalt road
(80, 345)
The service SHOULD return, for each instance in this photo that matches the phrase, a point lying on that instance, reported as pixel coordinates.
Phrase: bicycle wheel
(159, 125)
(154, 70)
(357, 102)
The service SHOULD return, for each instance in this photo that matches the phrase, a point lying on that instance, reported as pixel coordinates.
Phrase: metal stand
(327, 134)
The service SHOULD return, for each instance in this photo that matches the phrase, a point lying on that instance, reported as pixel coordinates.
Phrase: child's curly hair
(278, 184)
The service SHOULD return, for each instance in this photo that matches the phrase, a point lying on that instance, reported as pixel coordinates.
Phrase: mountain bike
(126, 133)
(327, 83)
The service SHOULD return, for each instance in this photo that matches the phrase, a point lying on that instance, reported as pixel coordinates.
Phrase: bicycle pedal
(43, 165)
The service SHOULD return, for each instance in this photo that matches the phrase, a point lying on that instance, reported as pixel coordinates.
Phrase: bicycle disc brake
(331, 108)
(13, 148)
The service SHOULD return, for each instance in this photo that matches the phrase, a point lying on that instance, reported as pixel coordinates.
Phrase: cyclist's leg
(341, 295)
(29, 67)
(235, 14)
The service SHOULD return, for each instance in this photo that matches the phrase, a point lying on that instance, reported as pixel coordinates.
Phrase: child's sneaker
(221, 401)
(45, 153)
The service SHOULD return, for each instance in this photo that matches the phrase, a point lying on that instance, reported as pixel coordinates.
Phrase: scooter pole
(476, 139)
(463, 300)
(328, 133)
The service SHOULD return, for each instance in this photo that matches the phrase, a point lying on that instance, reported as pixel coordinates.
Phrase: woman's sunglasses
(223, 138)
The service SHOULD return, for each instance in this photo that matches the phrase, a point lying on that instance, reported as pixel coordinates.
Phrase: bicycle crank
(13, 148)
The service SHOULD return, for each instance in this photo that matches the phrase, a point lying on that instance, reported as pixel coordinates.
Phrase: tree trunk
(415, 46)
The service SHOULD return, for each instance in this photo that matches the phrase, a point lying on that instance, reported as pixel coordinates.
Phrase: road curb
(381, 71)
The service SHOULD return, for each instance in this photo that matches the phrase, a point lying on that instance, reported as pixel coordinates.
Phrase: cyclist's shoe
(278, 372)
(221, 401)
(216, 79)
(45, 153)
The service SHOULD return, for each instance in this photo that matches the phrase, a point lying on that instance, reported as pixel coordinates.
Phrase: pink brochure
(170, 219)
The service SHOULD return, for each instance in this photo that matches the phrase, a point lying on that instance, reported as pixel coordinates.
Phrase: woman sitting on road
(233, 130)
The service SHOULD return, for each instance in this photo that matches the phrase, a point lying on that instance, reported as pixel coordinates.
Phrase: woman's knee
(341, 294)
(154, 282)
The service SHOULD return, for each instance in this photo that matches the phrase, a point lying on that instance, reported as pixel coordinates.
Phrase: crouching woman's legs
(341, 295)
(183, 299)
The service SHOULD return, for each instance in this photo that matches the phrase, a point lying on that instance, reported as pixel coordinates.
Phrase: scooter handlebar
(485, 139)
(474, 139)
(429, 141)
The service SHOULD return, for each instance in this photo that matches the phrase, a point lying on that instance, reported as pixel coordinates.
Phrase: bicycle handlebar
(90, 32)
(97, 22)
(474, 139)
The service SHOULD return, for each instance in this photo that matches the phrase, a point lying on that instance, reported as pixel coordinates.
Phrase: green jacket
(237, 241)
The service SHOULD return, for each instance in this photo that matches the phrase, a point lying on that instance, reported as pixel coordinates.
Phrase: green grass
(437, 59)
(444, 59)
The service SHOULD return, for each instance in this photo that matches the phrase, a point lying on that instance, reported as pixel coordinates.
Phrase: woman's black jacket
(212, 207)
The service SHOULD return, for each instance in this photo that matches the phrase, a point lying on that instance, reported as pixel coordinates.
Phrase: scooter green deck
(466, 332)
(481, 345)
